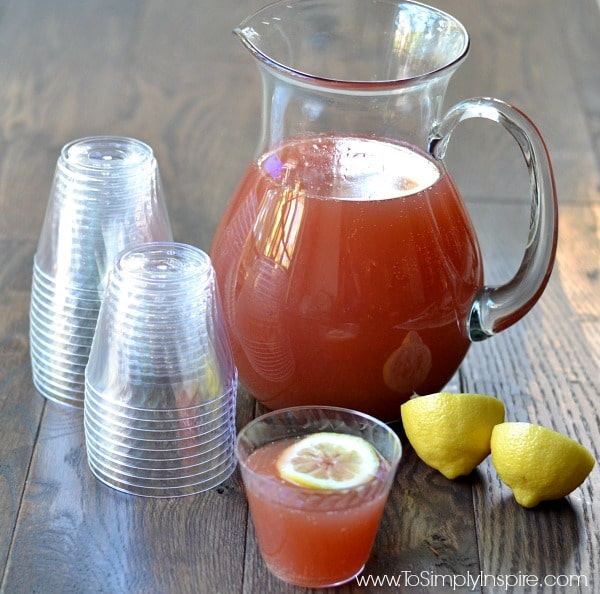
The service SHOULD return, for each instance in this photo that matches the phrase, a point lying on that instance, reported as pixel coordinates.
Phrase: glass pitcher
(348, 266)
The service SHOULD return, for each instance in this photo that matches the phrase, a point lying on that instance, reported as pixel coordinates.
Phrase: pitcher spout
(373, 42)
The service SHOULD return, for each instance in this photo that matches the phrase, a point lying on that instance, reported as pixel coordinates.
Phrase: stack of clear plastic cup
(106, 196)
(161, 385)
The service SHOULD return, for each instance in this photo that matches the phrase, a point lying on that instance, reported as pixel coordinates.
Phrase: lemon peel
(538, 464)
(328, 460)
(451, 432)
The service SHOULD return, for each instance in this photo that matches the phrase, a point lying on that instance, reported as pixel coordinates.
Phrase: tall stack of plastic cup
(160, 390)
(106, 196)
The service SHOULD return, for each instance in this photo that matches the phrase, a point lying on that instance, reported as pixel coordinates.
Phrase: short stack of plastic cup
(106, 196)
(161, 384)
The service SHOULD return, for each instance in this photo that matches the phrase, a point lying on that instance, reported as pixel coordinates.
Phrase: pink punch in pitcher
(348, 266)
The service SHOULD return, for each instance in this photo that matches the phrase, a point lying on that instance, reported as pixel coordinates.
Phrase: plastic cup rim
(90, 438)
(111, 432)
(52, 385)
(58, 307)
(60, 396)
(229, 391)
(106, 464)
(45, 281)
(190, 461)
(86, 327)
(161, 493)
(42, 338)
(312, 409)
(44, 358)
(216, 423)
(227, 403)
(223, 435)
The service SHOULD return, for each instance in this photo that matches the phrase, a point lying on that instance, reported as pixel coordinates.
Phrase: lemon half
(451, 432)
(537, 463)
(329, 460)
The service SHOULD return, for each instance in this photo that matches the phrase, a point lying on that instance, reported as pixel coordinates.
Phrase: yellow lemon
(451, 432)
(537, 463)
(329, 460)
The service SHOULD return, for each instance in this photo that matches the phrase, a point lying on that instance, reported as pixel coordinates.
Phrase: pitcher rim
(352, 84)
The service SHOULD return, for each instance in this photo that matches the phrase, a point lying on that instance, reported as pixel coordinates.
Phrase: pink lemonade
(311, 537)
(347, 268)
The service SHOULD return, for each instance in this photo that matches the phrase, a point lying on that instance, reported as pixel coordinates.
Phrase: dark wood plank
(76, 534)
(580, 25)
(20, 409)
(198, 105)
(60, 81)
(518, 55)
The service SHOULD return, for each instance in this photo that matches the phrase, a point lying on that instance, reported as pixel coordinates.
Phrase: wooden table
(171, 73)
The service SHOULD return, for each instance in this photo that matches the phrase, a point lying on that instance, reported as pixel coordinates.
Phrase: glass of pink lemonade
(317, 480)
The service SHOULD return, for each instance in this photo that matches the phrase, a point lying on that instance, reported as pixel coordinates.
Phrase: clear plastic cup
(69, 326)
(52, 336)
(339, 524)
(69, 357)
(160, 380)
(56, 305)
(106, 196)
(207, 456)
(59, 394)
(65, 293)
(60, 382)
(58, 368)
(122, 363)
(159, 394)
(157, 450)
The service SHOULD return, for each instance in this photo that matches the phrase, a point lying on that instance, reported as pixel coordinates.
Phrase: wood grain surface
(173, 75)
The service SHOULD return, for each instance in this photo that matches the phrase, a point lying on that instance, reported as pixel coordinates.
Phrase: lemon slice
(328, 461)
(537, 463)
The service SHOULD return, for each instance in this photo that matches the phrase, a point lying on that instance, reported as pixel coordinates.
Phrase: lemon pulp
(329, 460)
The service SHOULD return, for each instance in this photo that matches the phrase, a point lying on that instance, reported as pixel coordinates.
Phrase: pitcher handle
(495, 308)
